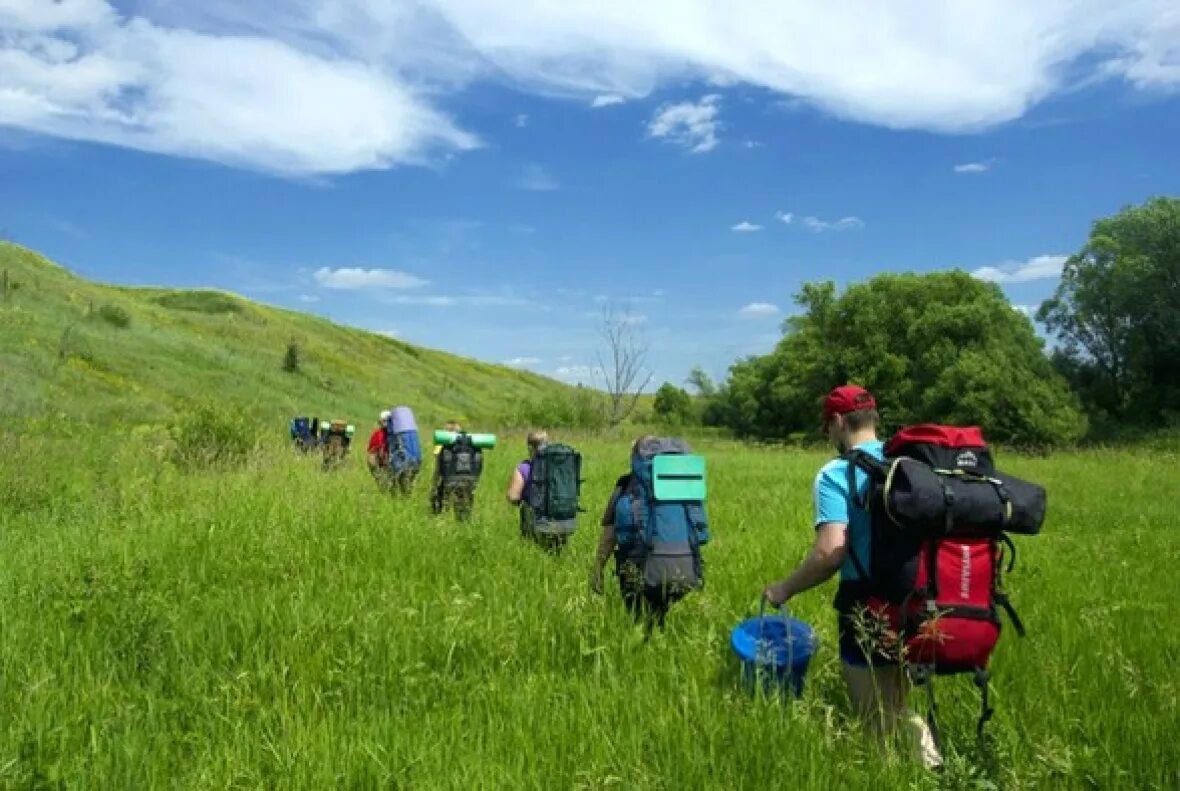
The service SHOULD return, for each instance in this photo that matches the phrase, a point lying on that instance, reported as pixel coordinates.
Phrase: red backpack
(940, 514)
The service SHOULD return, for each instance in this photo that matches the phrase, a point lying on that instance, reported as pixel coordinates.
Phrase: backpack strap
(874, 467)
(876, 470)
(985, 709)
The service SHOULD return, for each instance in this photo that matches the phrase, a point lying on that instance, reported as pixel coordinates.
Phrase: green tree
(701, 382)
(291, 358)
(940, 347)
(1116, 314)
(673, 404)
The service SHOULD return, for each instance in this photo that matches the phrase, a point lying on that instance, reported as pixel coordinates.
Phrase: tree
(940, 347)
(701, 382)
(291, 359)
(624, 369)
(1116, 314)
(673, 404)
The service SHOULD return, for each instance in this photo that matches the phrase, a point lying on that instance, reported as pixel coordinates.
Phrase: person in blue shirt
(877, 689)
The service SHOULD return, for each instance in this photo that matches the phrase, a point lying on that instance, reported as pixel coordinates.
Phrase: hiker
(336, 441)
(457, 469)
(878, 690)
(403, 448)
(378, 451)
(545, 486)
(656, 566)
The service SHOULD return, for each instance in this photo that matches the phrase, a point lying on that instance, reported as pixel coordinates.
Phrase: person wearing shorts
(878, 688)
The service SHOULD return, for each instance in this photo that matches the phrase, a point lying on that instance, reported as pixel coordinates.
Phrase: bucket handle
(762, 626)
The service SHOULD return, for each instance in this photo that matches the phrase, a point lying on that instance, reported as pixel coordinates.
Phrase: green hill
(72, 350)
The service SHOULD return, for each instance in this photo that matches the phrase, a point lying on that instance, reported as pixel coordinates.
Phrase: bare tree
(625, 367)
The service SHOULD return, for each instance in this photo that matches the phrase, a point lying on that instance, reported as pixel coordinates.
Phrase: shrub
(211, 436)
(212, 302)
(115, 316)
(583, 409)
(291, 359)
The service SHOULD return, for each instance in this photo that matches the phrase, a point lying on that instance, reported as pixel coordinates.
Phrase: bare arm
(606, 542)
(515, 488)
(824, 560)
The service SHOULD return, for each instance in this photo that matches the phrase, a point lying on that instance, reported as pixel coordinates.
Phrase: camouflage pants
(458, 495)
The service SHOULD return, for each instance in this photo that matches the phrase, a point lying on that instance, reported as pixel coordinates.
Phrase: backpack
(301, 431)
(461, 461)
(401, 437)
(940, 514)
(660, 520)
(553, 488)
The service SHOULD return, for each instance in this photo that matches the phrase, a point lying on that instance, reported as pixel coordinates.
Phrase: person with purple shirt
(518, 492)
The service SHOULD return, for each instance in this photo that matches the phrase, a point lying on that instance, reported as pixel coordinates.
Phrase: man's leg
(878, 696)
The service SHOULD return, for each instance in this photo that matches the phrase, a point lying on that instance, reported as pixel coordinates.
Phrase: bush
(673, 405)
(209, 436)
(582, 408)
(212, 302)
(115, 316)
(291, 359)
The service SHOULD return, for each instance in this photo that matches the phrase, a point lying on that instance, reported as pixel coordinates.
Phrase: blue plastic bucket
(774, 651)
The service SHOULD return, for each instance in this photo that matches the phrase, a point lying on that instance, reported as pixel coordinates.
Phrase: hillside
(75, 351)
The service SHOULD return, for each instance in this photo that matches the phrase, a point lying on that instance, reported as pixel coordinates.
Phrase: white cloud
(785, 217)
(522, 362)
(585, 374)
(79, 71)
(843, 224)
(746, 227)
(1042, 267)
(759, 309)
(334, 86)
(308, 298)
(356, 278)
(690, 124)
(536, 179)
(1027, 310)
(389, 333)
(974, 167)
(607, 100)
(522, 121)
(451, 300)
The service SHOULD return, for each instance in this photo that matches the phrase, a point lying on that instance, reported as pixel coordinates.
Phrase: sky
(488, 177)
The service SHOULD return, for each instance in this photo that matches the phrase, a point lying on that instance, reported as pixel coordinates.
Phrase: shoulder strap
(874, 467)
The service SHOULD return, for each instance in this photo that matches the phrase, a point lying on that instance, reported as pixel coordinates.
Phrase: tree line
(948, 347)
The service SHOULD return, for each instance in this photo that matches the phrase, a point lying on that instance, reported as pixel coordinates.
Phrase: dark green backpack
(554, 485)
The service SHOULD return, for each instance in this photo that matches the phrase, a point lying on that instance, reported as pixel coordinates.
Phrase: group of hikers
(916, 528)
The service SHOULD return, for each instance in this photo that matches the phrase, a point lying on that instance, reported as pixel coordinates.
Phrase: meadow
(272, 626)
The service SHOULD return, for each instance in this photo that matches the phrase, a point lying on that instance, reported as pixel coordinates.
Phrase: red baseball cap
(847, 398)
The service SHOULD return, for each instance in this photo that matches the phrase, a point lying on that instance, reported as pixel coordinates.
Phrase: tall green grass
(273, 626)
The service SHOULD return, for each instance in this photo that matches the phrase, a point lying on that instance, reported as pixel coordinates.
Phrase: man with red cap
(877, 690)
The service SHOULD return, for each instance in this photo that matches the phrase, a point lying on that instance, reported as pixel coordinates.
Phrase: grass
(164, 624)
(92, 354)
(272, 626)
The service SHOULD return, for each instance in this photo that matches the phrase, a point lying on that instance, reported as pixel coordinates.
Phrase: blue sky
(485, 179)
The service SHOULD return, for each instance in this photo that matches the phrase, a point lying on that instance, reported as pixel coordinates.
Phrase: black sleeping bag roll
(918, 498)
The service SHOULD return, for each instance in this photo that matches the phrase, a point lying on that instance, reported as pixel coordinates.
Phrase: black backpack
(461, 461)
(555, 482)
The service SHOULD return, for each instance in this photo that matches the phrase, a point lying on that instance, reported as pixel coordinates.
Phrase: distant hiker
(546, 487)
(377, 453)
(878, 690)
(302, 434)
(403, 448)
(655, 525)
(336, 440)
(458, 468)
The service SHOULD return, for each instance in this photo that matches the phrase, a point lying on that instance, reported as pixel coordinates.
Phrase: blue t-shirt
(833, 504)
